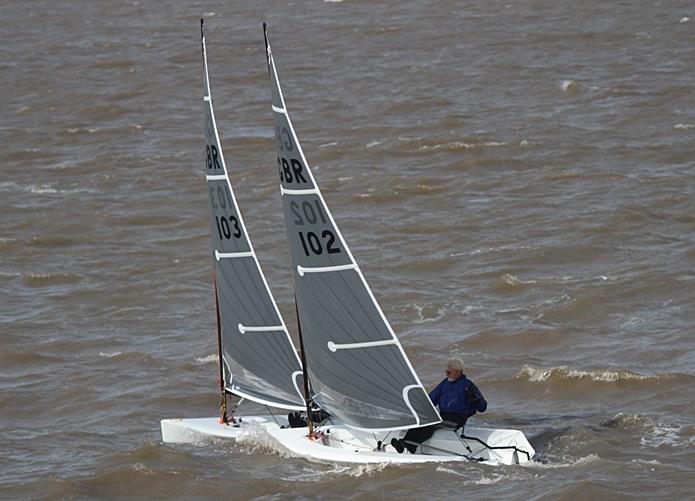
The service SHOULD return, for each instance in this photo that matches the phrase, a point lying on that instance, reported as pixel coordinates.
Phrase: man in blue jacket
(458, 399)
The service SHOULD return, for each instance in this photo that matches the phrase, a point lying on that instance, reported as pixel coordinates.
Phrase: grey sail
(357, 368)
(259, 359)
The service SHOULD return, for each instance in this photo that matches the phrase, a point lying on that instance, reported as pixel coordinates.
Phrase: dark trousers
(419, 435)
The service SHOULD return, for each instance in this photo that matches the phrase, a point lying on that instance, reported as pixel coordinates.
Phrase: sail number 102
(313, 242)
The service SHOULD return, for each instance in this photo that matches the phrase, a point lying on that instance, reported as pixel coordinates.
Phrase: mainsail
(260, 362)
(357, 368)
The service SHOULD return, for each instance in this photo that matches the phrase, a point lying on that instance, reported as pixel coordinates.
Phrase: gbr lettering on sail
(221, 199)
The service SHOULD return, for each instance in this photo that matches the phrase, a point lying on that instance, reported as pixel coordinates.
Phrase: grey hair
(455, 364)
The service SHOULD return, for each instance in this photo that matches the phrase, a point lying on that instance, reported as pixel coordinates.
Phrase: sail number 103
(228, 227)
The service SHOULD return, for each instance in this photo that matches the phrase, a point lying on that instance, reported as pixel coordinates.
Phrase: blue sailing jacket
(461, 397)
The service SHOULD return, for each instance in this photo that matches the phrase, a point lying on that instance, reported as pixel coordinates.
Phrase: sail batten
(258, 364)
(357, 368)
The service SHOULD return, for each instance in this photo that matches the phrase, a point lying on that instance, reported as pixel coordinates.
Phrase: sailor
(458, 399)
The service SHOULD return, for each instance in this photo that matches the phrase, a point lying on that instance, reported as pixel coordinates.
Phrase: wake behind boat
(353, 366)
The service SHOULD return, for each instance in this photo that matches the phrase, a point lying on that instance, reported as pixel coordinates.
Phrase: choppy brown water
(516, 180)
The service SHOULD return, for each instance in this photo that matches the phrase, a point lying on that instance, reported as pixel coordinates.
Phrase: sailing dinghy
(354, 368)
(257, 359)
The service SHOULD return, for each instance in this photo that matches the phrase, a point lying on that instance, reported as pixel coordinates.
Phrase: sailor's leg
(416, 436)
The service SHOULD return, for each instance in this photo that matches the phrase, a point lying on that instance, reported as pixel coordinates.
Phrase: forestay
(357, 368)
(260, 362)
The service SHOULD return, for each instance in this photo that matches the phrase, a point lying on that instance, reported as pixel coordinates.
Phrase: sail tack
(259, 359)
(357, 368)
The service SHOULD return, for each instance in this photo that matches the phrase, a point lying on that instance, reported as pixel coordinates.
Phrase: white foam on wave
(42, 189)
(684, 126)
(665, 435)
(110, 355)
(482, 480)
(45, 189)
(542, 374)
(255, 439)
(207, 360)
(423, 313)
(502, 248)
(591, 458)
(654, 434)
(346, 470)
(460, 145)
(470, 308)
(569, 85)
(513, 280)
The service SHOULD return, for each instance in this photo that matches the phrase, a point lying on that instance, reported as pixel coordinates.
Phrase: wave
(7, 242)
(140, 358)
(564, 373)
(207, 360)
(580, 461)
(482, 480)
(109, 355)
(50, 241)
(455, 146)
(569, 86)
(45, 279)
(653, 434)
(509, 282)
(428, 312)
(256, 440)
(26, 358)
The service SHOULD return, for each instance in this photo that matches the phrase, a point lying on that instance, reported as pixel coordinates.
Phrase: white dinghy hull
(202, 430)
(339, 444)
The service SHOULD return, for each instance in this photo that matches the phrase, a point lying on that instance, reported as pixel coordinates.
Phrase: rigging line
(357, 446)
(493, 447)
(470, 458)
(273, 415)
(236, 406)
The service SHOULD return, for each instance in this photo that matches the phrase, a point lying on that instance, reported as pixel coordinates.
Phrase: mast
(223, 392)
(305, 372)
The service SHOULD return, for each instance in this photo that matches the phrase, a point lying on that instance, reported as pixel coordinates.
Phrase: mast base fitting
(314, 435)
